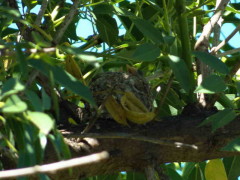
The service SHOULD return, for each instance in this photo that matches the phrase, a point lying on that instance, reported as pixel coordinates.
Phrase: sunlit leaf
(43, 121)
(11, 86)
(14, 105)
(212, 61)
(215, 170)
(211, 84)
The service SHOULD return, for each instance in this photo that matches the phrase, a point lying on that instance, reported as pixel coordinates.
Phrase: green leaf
(46, 101)
(135, 176)
(39, 40)
(181, 72)
(173, 174)
(103, 9)
(43, 121)
(64, 78)
(232, 165)
(173, 99)
(188, 168)
(226, 101)
(212, 84)
(6, 12)
(149, 30)
(107, 28)
(146, 52)
(212, 61)
(196, 173)
(234, 145)
(215, 170)
(35, 100)
(11, 86)
(14, 105)
(21, 59)
(220, 119)
(61, 148)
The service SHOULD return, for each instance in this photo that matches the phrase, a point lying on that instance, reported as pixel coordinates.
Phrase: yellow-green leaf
(115, 110)
(215, 170)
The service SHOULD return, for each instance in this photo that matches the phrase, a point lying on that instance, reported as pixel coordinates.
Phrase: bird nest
(116, 83)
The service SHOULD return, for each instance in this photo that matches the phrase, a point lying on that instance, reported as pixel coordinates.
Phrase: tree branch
(232, 51)
(202, 44)
(131, 153)
(68, 19)
(41, 12)
(90, 159)
(215, 49)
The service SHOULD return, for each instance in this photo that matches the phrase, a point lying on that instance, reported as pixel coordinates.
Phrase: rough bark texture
(133, 149)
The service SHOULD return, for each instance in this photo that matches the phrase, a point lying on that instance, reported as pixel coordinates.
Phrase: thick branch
(136, 154)
(128, 154)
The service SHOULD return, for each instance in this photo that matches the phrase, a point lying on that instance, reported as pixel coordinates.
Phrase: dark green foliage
(155, 37)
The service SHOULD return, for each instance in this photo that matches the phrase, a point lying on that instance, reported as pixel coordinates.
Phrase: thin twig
(32, 77)
(217, 28)
(208, 28)
(45, 50)
(41, 12)
(233, 71)
(68, 19)
(162, 100)
(232, 51)
(93, 119)
(215, 49)
(94, 158)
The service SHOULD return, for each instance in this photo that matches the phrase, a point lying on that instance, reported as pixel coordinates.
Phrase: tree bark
(174, 139)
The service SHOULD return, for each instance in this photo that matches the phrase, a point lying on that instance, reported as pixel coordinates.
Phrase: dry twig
(94, 158)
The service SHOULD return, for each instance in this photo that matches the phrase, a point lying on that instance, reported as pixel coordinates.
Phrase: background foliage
(159, 42)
